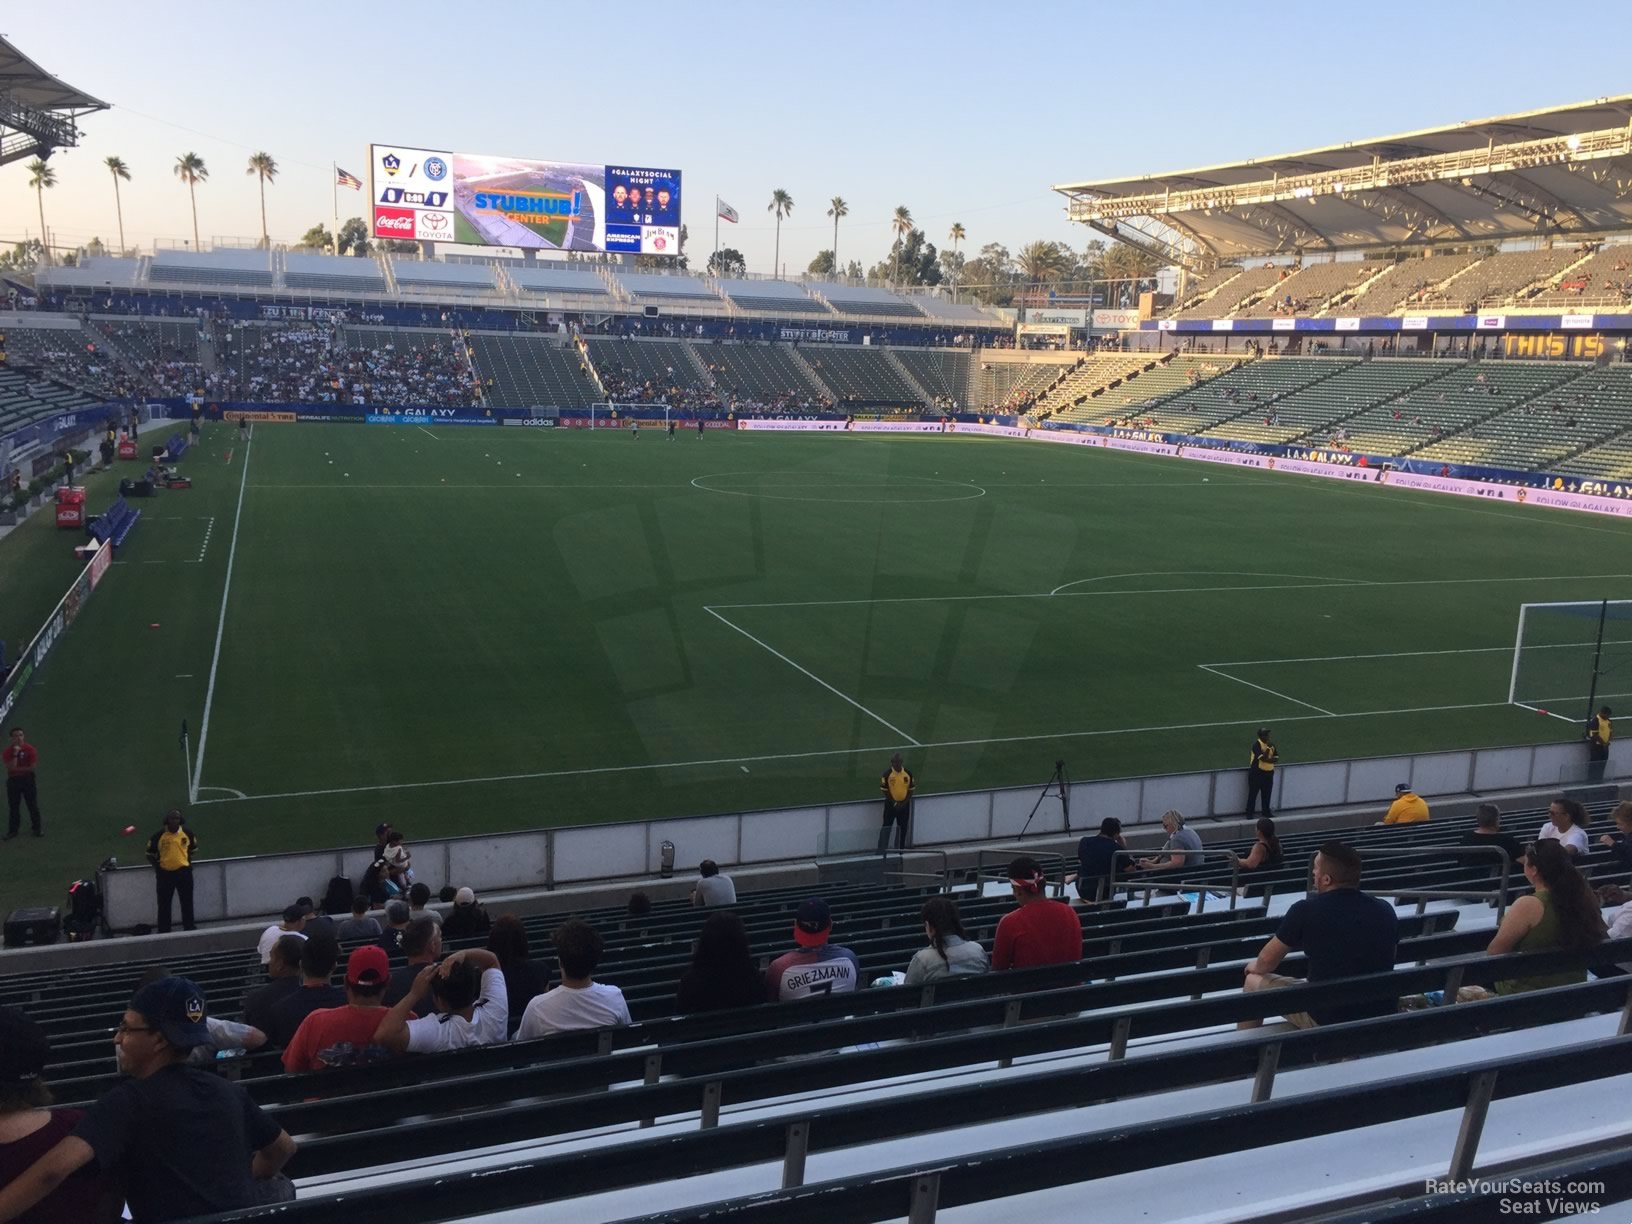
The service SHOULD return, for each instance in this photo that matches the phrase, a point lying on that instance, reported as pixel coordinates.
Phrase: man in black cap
(182, 1140)
(816, 967)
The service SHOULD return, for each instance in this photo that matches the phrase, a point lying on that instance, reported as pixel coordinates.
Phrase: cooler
(127, 447)
(71, 507)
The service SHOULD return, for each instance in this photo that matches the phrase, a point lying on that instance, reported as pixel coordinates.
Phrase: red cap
(368, 966)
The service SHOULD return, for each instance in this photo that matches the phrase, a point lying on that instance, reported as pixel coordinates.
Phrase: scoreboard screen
(429, 195)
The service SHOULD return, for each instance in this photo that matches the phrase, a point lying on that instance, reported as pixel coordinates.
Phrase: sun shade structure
(38, 113)
(1560, 173)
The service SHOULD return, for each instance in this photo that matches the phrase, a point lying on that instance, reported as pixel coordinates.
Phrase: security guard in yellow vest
(171, 851)
(1599, 732)
(1261, 770)
(897, 785)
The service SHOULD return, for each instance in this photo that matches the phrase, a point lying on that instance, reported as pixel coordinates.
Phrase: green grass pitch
(463, 629)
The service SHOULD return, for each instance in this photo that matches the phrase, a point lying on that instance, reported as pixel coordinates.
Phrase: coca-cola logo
(391, 222)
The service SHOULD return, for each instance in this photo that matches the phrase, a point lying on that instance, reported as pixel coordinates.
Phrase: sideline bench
(175, 447)
(113, 524)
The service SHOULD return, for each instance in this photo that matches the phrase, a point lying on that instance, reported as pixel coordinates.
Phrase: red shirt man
(21, 759)
(344, 1036)
(1038, 931)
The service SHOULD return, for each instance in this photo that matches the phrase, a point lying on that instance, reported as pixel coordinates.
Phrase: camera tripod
(1059, 783)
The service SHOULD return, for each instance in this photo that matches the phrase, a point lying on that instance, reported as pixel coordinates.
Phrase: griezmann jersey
(807, 972)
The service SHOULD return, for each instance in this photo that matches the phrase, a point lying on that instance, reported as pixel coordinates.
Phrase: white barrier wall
(252, 887)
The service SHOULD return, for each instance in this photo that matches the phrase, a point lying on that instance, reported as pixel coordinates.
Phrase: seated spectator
(470, 1007)
(361, 927)
(344, 1036)
(181, 1141)
(1566, 824)
(816, 967)
(579, 1002)
(1487, 831)
(293, 923)
(1408, 807)
(229, 1037)
(422, 945)
(1037, 931)
(524, 978)
(317, 922)
(1173, 851)
(467, 919)
(1620, 927)
(29, 1127)
(640, 905)
(1097, 861)
(419, 900)
(377, 884)
(722, 973)
(317, 961)
(1562, 913)
(951, 953)
(396, 922)
(284, 977)
(1265, 854)
(1619, 843)
(713, 888)
(1341, 931)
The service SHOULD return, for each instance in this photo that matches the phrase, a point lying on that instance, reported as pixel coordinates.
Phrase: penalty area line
(1256, 720)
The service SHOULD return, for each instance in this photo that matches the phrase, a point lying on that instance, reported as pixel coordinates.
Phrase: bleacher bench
(113, 524)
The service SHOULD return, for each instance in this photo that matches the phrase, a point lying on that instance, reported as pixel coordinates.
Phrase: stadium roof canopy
(1565, 171)
(37, 111)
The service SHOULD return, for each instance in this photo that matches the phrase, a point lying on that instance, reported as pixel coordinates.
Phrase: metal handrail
(1149, 887)
(1047, 859)
(1501, 895)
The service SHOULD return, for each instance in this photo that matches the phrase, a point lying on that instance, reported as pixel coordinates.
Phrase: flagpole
(334, 196)
(716, 260)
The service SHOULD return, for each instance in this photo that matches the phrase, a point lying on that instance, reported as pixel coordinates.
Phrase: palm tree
(41, 176)
(957, 234)
(836, 208)
(262, 164)
(191, 170)
(782, 205)
(116, 167)
(1040, 262)
(902, 225)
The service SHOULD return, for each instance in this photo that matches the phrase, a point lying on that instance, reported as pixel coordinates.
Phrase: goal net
(1570, 658)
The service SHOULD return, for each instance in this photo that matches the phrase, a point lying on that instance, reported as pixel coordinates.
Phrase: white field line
(1549, 713)
(428, 433)
(1411, 654)
(1308, 705)
(221, 621)
(1323, 584)
(1256, 720)
(806, 671)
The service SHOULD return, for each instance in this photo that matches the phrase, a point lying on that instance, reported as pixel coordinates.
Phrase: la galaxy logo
(391, 163)
(195, 1008)
(436, 169)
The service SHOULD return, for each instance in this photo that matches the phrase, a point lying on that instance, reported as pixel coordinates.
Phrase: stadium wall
(548, 858)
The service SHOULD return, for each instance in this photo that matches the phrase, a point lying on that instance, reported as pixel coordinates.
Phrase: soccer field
(463, 629)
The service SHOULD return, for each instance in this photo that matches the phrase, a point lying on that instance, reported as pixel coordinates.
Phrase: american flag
(344, 178)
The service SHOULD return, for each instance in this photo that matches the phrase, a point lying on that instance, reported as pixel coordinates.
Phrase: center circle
(834, 488)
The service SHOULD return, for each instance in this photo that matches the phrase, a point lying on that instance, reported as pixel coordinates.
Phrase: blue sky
(962, 112)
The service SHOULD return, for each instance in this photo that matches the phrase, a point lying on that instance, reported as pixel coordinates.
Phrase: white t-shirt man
(488, 1019)
(566, 1008)
(1573, 838)
(271, 936)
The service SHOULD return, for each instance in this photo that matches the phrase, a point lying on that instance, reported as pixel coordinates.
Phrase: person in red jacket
(21, 760)
(1038, 931)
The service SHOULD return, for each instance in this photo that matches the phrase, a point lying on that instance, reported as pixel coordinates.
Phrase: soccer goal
(1570, 658)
